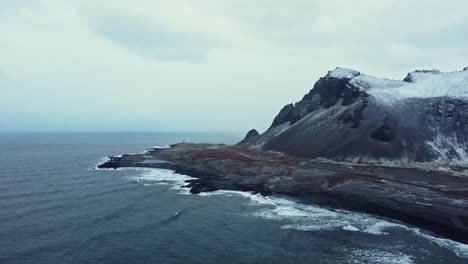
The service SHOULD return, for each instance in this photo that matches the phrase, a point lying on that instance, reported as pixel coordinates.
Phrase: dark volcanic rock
(326, 93)
(331, 90)
(283, 116)
(353, 115)
(383, 133)
(198, 186)
(251, 136)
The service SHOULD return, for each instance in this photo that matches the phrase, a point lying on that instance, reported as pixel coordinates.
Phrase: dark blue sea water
(54, 208)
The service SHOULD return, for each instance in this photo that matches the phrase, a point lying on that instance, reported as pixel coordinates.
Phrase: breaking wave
(378, 256)
(302, 217)
(151, 177)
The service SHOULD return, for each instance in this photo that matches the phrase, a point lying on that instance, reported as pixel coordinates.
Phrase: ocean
(56, 208)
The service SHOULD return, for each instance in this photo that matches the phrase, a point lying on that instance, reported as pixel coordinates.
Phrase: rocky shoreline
(436, 201)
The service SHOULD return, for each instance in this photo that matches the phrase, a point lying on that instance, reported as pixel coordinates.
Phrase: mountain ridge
(350, 116)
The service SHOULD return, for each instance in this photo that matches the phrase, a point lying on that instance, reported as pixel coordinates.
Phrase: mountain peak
(343, 73)
(250, 137)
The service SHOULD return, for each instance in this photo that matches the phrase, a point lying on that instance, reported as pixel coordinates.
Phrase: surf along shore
(433, 200)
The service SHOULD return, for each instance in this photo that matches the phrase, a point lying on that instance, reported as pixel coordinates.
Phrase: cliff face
(350, 116)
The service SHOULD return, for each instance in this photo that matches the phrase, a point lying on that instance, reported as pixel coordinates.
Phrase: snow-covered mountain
(350, 116)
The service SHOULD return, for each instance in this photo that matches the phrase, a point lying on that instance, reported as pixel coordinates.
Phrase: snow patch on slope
(367, 82)
(447, 148)
(419, 84)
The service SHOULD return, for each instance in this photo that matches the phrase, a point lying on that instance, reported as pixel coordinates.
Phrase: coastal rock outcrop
(251, 136)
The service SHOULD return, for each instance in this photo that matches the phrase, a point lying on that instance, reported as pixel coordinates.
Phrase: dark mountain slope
(350, 116)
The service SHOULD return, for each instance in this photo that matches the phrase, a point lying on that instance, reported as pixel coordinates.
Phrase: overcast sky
(204, 65)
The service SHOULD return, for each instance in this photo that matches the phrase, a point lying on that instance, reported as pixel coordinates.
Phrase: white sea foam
(461, 250)
(379, 256)
(160, 147)
(350, 228)
(150, 177)
(302, 217)
(256, 199)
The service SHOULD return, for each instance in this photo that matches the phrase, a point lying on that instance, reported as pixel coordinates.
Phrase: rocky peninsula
(433, 200)
(397, 149)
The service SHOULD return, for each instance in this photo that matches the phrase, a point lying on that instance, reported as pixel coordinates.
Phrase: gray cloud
(3, 75)
(450, 37)
(12, 5)
(149, 39)
(207, 64)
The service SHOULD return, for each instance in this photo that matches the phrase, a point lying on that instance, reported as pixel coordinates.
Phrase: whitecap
(162, 177)
(153, 177)
(160, 147)
(461, 250)
(350, 228)
(304, 217)
(379, 227)
(99, 162)
(379, 256)
(256, 199)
